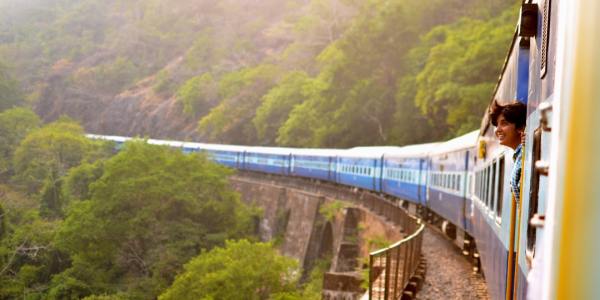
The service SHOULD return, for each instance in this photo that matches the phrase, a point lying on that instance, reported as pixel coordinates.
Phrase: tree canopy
(240, 270)
(157, 208)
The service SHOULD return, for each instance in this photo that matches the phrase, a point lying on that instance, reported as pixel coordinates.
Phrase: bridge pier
(315, 221)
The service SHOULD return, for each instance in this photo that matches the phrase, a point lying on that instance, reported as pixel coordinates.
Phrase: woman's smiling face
(507, 133)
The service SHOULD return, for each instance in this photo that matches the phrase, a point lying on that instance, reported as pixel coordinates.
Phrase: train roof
(317, 152)
(270, 150)
(413, 150)
(220, 147)
(165, 143)
(114, 138)
(369, 152)
(468, 140)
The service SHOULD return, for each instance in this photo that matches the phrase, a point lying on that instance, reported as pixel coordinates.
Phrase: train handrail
(384, 275)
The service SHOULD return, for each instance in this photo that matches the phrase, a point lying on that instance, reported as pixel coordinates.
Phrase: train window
(477, 182)
(453, 182)
(481, 186)
(456, 187)
(493, 193)
(486, 185)
(545, 39)
(444, 180)
(492, 185)
(534, 190)
(500, 189)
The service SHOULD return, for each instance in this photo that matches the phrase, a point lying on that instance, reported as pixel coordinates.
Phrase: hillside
(323, 73)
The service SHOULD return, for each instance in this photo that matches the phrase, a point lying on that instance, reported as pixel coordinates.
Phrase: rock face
(137, 111)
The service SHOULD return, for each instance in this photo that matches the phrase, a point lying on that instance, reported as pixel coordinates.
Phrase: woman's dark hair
(514, 113)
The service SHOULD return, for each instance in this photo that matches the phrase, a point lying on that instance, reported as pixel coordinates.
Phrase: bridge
(313, 220)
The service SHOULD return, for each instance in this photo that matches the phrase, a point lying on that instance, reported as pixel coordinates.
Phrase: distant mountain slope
(270, 72)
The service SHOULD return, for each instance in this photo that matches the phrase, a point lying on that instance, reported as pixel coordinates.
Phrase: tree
(152, 210)
(28, 257)
(198, 95)
(458, 79)
(15, 124)
(241, 91)
(45, 156)
(240, 270)
(278, 103)
(10, 95)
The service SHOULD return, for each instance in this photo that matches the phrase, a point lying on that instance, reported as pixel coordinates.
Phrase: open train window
(545, 38)
(535, 186)
(500, 190)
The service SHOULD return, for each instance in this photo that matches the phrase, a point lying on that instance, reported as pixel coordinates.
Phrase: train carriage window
(493, 193)
(500, 189)
(476, 184)
(534, 190)
(456, 182)
(480, 186)
(477, 181)
(491, 186)
(485, 186)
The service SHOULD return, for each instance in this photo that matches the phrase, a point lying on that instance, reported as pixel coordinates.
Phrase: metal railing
(391, 268)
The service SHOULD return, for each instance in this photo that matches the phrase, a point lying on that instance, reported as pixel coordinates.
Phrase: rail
(391, 268)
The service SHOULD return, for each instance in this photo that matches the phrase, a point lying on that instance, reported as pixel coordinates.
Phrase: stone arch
(326, 243)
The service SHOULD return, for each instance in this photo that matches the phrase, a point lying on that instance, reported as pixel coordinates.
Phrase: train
(541, 247)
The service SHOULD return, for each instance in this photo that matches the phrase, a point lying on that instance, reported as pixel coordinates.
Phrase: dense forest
(81, 221)
(310, 73)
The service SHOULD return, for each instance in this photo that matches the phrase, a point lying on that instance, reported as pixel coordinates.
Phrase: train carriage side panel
(313, 163)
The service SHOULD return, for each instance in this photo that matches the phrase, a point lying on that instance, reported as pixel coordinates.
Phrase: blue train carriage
(361, 167)
(228, 155)
(449, 181)
(268, 159)
(318, 164)
(496, 215)
(405, 173)
(542, 50)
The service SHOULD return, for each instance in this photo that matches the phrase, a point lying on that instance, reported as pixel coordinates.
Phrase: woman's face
(507, 133)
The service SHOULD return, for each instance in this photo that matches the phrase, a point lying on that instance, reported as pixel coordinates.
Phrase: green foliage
(152, 209)
(455, 84)
(45, 156)
(197, 95)
(109, 77)
(278, 103)
(48, 153)
(241, 91)
(164, 83)
(10, 94)
(239, 270)
(78, 180)
(15, 124)
(330, 209)
(27, 254)
(313, 288)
